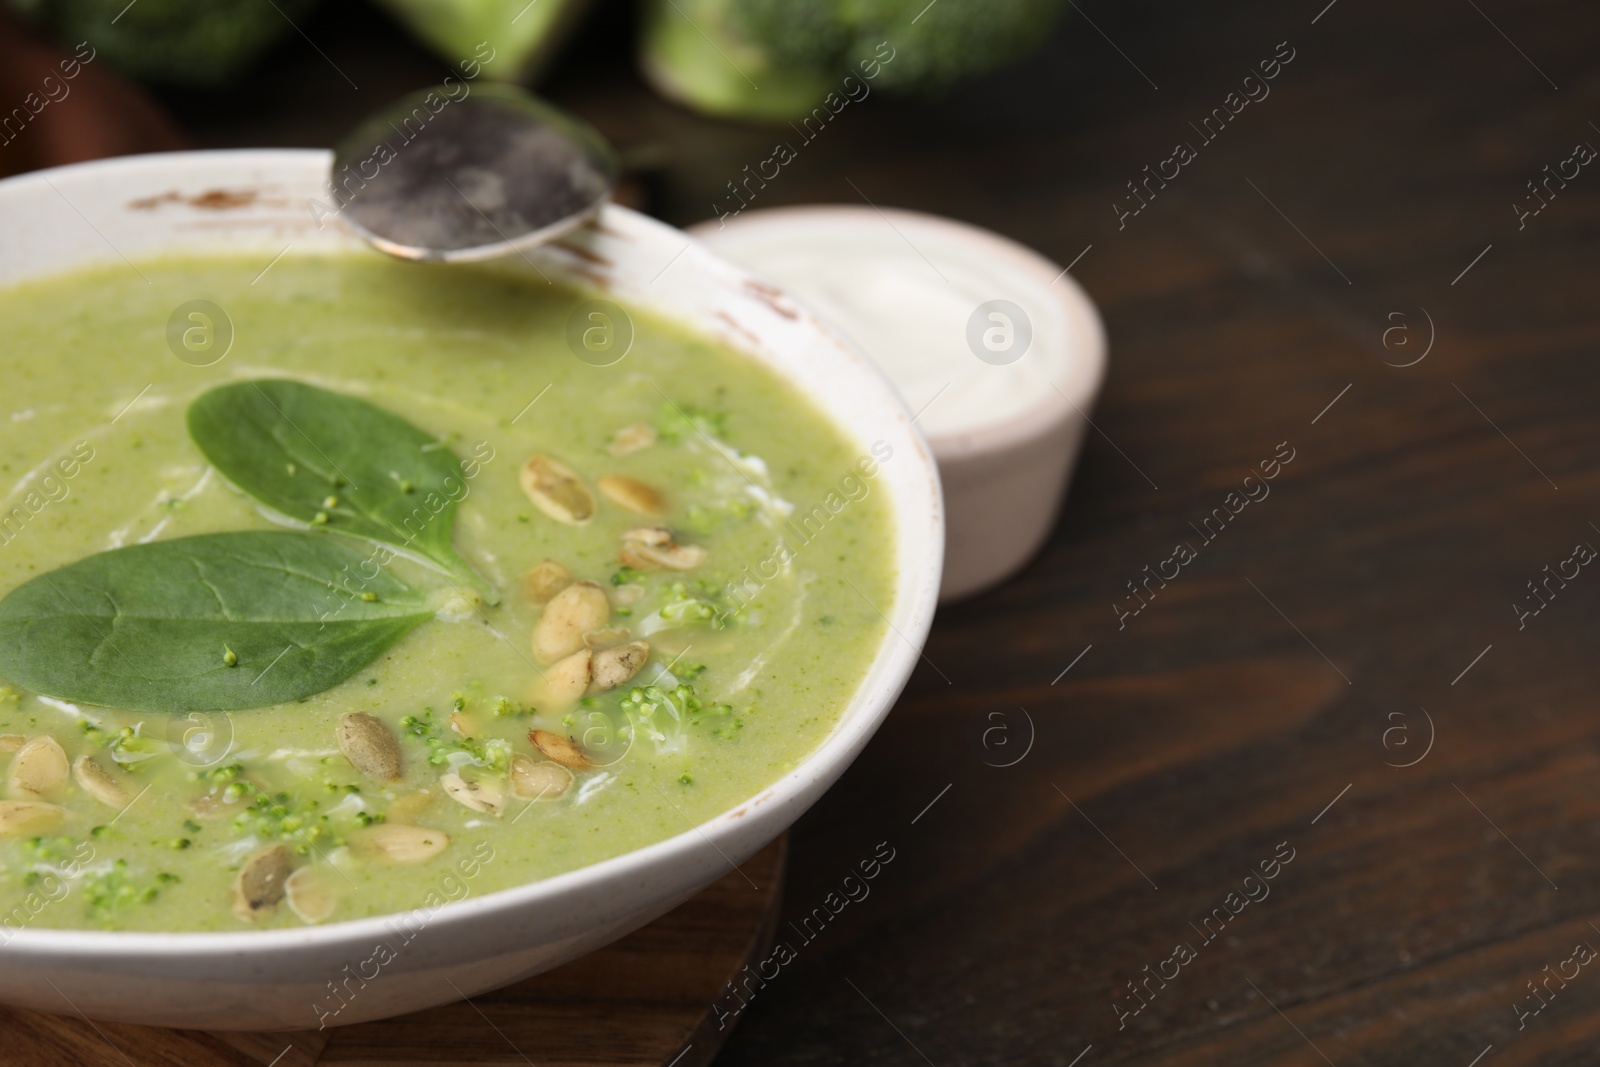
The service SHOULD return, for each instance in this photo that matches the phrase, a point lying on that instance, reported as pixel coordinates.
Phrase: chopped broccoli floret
(677, 424)
(108, 892)
(493, 753)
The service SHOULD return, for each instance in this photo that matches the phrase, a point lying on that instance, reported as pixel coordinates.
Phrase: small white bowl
(1004, 477)
(76, 216)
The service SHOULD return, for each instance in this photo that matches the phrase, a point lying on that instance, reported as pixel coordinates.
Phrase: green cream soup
(398, 600)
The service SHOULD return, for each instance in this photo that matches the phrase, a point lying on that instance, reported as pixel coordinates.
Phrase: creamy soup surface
(673, 574)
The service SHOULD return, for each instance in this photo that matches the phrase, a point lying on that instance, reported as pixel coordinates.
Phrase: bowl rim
(1086, 332)
(860, 718)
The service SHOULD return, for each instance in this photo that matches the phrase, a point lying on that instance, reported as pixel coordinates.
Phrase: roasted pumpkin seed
(611, 635)
(556, 490)
(398, 843)
(631, 439)
(647, 535)
(633, 494)
(18, 817)
(663, 557)
(533, 779)
(614, 666)
(560, 749)
(568, 680)
(310, 894)
(575, 611)
(545, 581)
(369, 746)
(259, 885)
(38, 769)
(404, 809)
(100, 783)
(479, 796)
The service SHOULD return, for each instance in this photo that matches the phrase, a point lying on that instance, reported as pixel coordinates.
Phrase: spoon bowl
(470, 173)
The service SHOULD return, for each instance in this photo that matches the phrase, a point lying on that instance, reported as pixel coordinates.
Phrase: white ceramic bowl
(257, 980)
(1004, 478)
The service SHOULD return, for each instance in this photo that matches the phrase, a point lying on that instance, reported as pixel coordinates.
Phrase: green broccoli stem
(689, 57)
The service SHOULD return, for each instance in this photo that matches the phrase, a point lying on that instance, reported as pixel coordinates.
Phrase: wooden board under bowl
(644, 1001)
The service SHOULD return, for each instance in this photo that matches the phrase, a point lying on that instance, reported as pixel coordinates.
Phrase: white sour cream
(906, 289)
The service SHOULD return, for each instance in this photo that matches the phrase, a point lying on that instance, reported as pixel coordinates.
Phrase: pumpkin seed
(568, 680)
(19, 817)
(576, 610)
(560, 749)
(633, 494)
(631, 439)
(398, 843)
(545, 581)
(647, 535)
(556, 490)
(369, 746)
(99, 783)
(259, 885)
(533, 779)
(12, 742)
(611, 635)
(214, 805)
(310, 894)
(408, 807)
(38, 768)
(613, 666)
(670, 557)
(479, 796)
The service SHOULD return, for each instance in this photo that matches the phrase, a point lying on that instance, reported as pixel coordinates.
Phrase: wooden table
(1342, 675)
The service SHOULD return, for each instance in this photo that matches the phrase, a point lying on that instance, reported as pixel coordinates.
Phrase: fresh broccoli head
(804, 34)
(777, 58)
(512, 40)
(178, 42)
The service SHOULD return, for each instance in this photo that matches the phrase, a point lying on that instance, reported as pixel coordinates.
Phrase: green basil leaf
(151, 627)
(328, 459)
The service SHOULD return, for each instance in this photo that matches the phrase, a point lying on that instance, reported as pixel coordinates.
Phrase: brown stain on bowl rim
(583, 253)
(773, 297)
(603, 282)
(752, 341)
(210, 200)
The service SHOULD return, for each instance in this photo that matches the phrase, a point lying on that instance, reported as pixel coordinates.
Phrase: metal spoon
(473, 175)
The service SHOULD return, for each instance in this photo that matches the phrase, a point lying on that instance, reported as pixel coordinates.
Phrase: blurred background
(673, 83)
(1369, 264)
